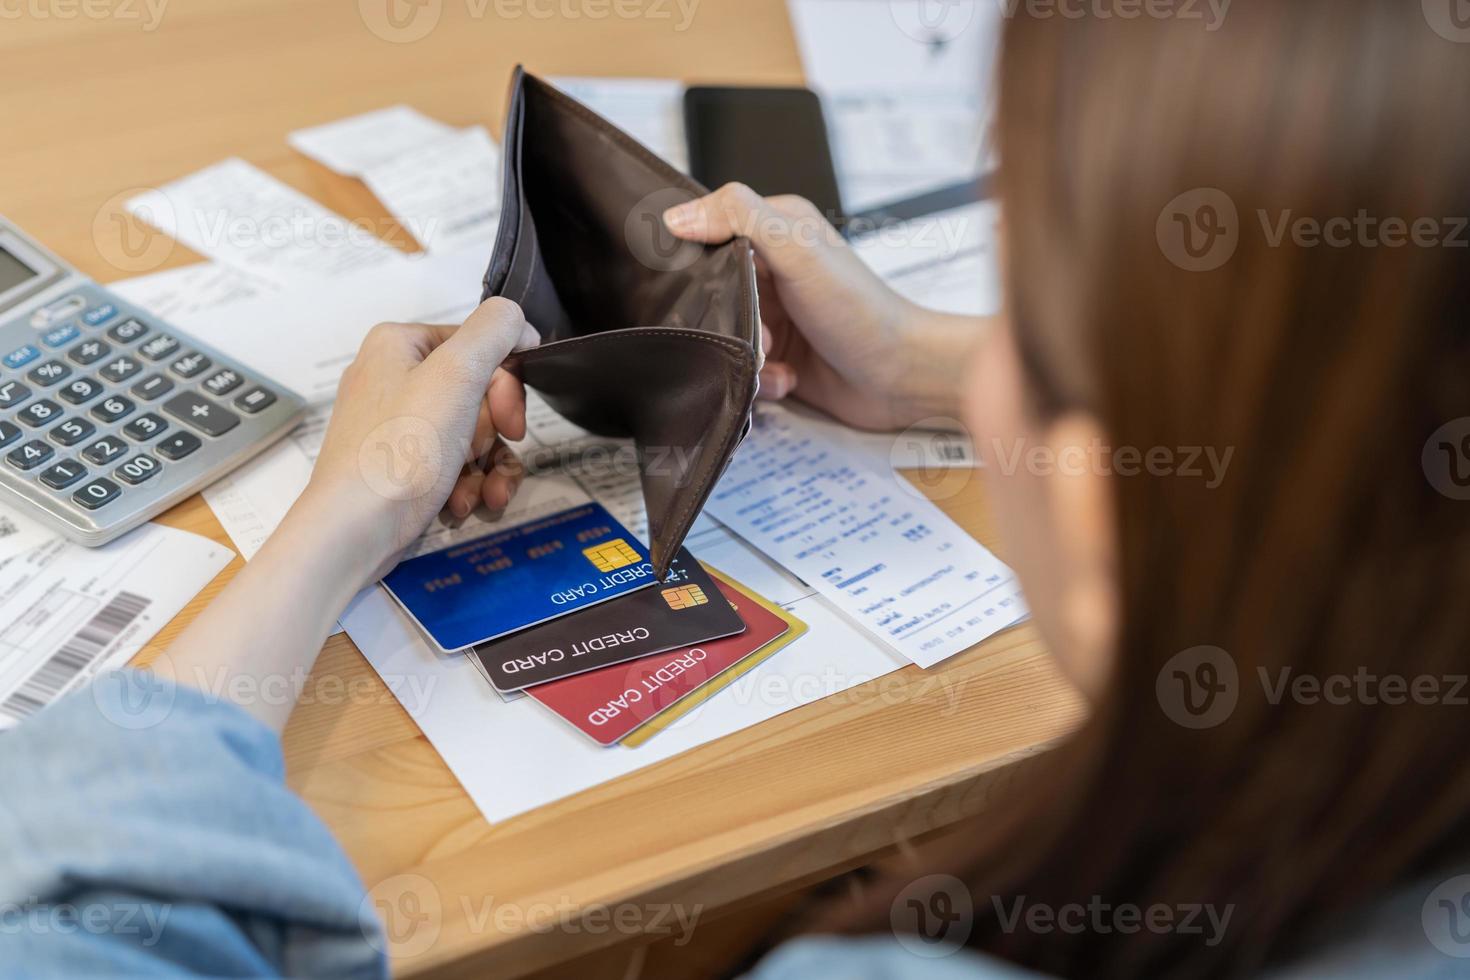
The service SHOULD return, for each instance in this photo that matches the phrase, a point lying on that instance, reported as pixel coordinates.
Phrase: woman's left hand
(416, 425)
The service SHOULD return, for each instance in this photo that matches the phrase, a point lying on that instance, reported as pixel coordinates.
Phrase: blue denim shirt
(156, 837)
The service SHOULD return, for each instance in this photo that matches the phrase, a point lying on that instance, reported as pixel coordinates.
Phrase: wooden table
(96, 107)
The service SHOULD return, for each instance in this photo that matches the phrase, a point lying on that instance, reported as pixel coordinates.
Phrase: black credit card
(686, 610)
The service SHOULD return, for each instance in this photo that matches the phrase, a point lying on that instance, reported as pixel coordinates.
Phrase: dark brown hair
(1328, 549)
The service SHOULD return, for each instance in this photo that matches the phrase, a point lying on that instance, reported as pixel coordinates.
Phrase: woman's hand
(417, 424)
(836, 336)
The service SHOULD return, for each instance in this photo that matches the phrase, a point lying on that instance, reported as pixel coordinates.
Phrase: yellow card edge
(661, 721)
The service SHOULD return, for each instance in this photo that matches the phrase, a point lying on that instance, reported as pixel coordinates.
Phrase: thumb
(493, 330)
(715, 218)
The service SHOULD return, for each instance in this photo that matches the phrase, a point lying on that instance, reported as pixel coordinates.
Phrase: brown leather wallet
(642, 335)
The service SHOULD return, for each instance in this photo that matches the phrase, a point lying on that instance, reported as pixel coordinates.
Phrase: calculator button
(31, 455)
(178, 445)
(9, 432)
(159, 346)
(139, 469)
(191, 364)
(112, 409)
(120, 369)
(222, 382)
(127, 331)
(100, 491)
(99, 315)
(22, 356)
(255, 399)
(144, 427)
(92, 350)
(59, 310)
(104, 450)
(12, 393)
(79, 391)
(201, 413)
(39, 413)
(60, 336)
(63, 474)
(49, 373)
(71, 432)
(153, 386)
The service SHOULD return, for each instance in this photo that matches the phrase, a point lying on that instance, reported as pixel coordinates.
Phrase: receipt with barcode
(68, 613)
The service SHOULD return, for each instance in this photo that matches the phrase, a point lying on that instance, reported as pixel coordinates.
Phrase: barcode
(75, 655)
(952, 451)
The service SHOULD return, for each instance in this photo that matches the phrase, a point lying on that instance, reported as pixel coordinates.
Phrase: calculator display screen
(13, 272)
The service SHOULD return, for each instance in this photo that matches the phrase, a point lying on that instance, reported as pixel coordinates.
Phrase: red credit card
(608, 703)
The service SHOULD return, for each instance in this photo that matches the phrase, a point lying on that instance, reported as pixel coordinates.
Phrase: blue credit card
(506, 581)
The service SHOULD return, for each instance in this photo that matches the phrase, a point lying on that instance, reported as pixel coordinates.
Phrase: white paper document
(512, 757)
(944, 261)
(191, 290)
(355, 145)
(68, 613)
(241, 216)
(889, 559)
(906, 87)
(445, 191)
(651, 110)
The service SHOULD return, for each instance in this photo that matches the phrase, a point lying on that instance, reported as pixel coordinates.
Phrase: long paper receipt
(887, 557)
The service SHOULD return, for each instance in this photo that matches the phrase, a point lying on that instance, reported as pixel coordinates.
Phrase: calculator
(109, 415)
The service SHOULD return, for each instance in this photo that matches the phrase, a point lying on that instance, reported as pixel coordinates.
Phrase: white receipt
(651, 110)
(237, 214)
(445, 192)
(192, 289)
(68, 613)
(885, 556)
(355, 145)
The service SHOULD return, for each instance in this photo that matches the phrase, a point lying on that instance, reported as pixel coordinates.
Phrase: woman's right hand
(836, 336)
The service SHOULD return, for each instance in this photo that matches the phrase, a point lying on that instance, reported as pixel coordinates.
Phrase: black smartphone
(773, 139)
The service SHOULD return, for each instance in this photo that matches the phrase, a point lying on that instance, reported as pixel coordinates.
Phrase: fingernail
(680, 217)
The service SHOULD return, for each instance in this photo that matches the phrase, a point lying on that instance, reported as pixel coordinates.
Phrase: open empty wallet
(642, 335)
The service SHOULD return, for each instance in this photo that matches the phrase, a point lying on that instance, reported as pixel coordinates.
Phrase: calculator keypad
(100, 363)
(89, 352)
